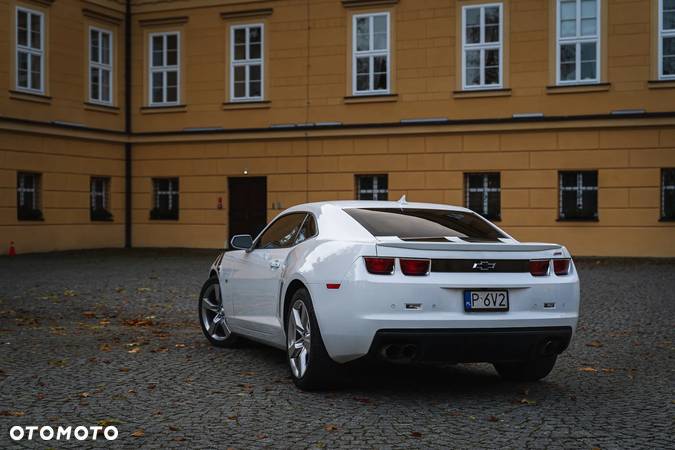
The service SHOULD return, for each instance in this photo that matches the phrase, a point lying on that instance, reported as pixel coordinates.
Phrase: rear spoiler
(471, 247)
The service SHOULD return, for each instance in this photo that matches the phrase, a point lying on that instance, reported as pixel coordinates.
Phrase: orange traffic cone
(12, 250)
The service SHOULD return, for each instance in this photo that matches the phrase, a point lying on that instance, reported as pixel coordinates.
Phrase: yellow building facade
(177, 123)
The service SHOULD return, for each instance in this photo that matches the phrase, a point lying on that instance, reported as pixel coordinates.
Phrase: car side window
(282, 232)
(307, 231)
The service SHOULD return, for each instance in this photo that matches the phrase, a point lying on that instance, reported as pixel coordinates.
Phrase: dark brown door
(248, 205)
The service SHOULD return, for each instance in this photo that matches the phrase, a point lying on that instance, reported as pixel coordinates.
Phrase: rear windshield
(424, 224)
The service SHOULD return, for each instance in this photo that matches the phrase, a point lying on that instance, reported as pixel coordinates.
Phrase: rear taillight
(380, 266)
(539, 267)
(561, 266)
(415, 267)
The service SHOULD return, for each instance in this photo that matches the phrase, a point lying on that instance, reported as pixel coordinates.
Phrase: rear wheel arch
(293, 287)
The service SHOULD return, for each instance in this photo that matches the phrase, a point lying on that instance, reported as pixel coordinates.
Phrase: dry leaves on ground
(138, 433)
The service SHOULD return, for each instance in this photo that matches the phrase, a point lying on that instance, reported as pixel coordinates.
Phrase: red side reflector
(380, 266)
(332, 285)
(415, 267)
(561, 266)
(539, 267)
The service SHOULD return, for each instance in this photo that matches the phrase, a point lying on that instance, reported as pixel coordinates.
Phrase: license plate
(475, 301)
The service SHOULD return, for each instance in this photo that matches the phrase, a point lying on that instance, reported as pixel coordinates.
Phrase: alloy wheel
(213, 314)
(299, 339)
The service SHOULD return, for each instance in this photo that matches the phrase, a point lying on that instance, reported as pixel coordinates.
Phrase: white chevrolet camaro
(337, 282)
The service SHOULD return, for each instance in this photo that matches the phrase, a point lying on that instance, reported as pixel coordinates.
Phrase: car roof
(317, 207)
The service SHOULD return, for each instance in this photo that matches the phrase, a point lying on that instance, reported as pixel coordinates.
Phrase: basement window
(372, 187)
(578, 195)
(100, 199)
(668, 194)
(28, 196)
(165, 192)
(483, 194)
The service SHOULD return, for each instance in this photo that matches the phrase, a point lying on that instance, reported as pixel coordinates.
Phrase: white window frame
(663, 34)
(578, 40)
(579, 188)
(29, 50)
(482, 46)
(164, 69)
(371, 54)
(103, 193)
(375, 190)
(484, 189)
(101, 67)
(247, 62)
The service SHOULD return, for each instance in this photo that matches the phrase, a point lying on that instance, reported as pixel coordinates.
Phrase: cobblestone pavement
(112, 337)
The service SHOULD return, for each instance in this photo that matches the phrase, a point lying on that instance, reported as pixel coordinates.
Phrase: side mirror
(241, 241)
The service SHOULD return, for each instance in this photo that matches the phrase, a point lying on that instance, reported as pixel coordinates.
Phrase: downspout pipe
(127, 127)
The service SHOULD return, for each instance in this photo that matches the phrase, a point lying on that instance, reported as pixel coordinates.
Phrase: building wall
(66, 166)
(427, 167)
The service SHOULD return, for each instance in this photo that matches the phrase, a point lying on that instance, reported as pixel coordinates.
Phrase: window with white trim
(100, 198)
(482, 46)
(372, 187)
(579, 195)
(668, 194)
(667, 39)
(483, 194)
(370, 54)
(165, 193)
(164, 68)
(578, 46)
(29, 50)
(100, 66)
(246, 62)
(28, 196)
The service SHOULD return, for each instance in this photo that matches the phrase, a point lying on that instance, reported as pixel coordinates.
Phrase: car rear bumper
(469, 344)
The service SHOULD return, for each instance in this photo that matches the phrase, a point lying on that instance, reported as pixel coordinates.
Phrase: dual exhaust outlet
(399, 353)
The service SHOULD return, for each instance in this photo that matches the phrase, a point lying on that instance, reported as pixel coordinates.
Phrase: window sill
(29, 96)
(37, 219)
(256, 104)
(89, 106)
(661, 84)
(163, 109)
(577, 88)
(578, 219)
(371, 98)
(477, 93)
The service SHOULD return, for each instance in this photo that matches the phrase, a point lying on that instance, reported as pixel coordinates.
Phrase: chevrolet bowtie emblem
(484, 265)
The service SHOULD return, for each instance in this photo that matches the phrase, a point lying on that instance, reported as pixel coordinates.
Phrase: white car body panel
(349, 317)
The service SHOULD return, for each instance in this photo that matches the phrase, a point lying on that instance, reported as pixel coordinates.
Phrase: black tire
(322, 372)
(221, 337)
(532, 370)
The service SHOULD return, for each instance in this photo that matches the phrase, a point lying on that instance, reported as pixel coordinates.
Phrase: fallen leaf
(40, 396)
(179, 439)
(69, 293)
(124, 369)
(493, 419)
(143, 289)
(160, 350)
(119, 289)
(107, 422)
(416, 434)
(525, 401)
(138, 433)
(594, 343)
(12, 413)
(231, 417)
(609, 370)
(104, 347)
(57, 363)
(152, 386)
(247, 374)
(89, 314)
(138, 322)
(173, 428)
(587, 369)
(85, 394)
(362, 399)
(330, 427)
(134, 350)
(262, 436)
(180, 345)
